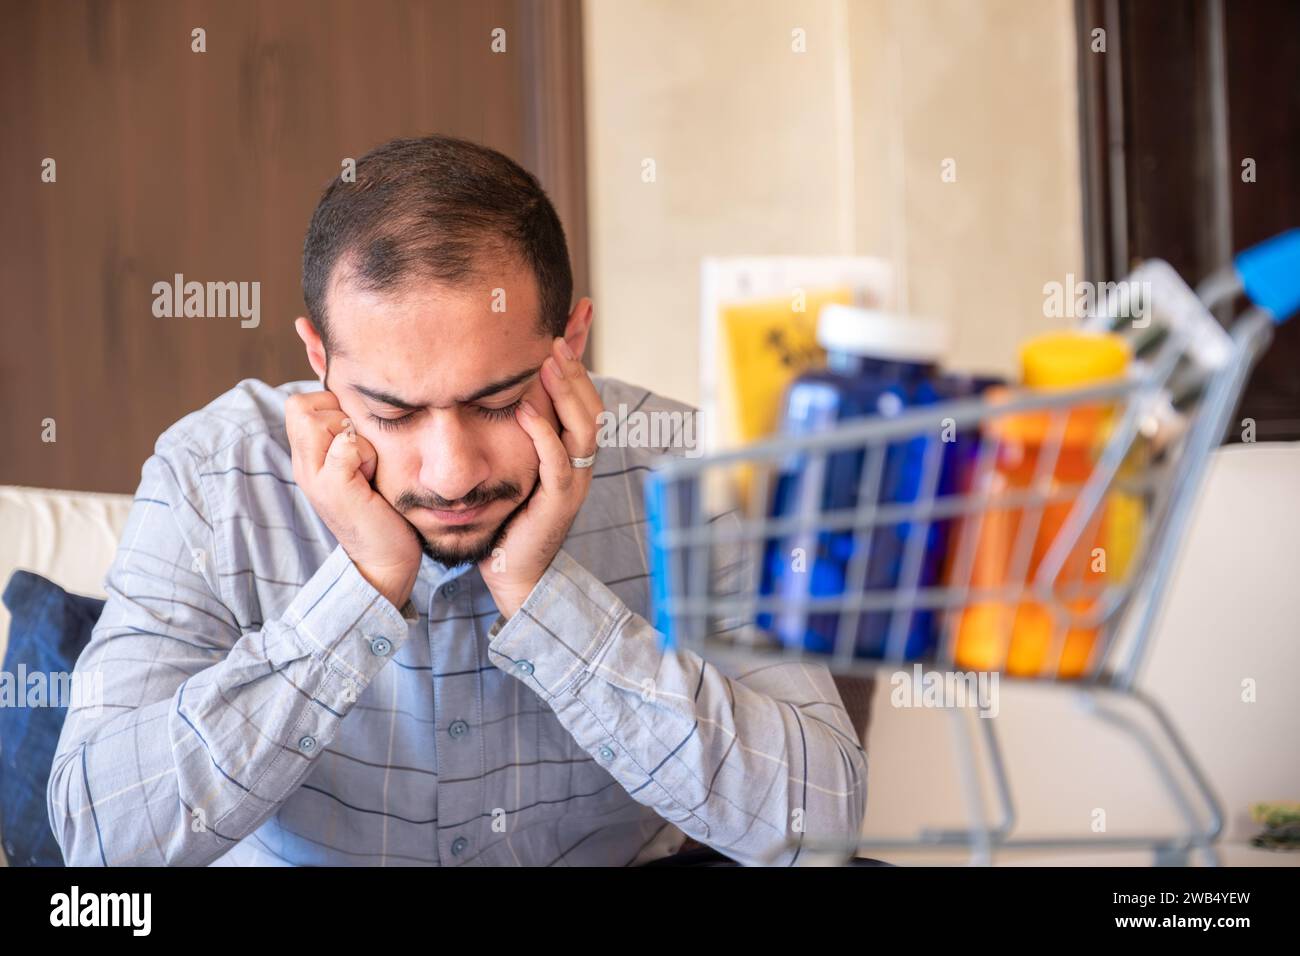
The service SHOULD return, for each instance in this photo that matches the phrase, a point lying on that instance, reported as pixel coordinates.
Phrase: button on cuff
(339, 615)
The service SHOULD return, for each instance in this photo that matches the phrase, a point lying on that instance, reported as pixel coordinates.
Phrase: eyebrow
(491, 389)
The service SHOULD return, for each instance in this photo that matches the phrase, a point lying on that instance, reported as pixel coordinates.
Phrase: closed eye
(491, 414)
(390, 423)
(499, 414)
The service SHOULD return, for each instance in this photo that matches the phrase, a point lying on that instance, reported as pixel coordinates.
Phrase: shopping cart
(1048, 607)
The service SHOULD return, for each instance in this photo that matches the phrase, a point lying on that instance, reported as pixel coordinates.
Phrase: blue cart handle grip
(1270, 274)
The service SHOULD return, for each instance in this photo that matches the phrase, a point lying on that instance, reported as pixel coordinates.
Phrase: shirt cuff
(346, 623)
(560, 631)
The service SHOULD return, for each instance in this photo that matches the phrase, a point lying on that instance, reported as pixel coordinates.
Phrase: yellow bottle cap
(1071, 358)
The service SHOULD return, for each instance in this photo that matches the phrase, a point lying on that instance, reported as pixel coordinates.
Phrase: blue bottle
(877, 365)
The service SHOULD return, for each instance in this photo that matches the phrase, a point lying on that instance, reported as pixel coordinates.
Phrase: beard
(457, 545)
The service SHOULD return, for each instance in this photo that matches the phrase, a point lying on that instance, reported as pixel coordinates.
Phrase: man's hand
(333, 465)
(536, 533)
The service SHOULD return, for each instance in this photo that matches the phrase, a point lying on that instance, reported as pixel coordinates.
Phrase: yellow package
(766, 343)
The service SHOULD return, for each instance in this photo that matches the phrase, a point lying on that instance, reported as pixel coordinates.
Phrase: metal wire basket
(1035, 537)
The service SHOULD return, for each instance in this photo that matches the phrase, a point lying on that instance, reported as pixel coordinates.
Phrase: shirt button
(458, 728)
(449, 589)
(606, 753)
(380, 646)
(458, 846)
(307, 744)
(524, 667)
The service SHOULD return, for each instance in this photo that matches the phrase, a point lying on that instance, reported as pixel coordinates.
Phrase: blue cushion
(50, 628)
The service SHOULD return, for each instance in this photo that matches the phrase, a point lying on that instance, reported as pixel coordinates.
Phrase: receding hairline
(430, 204)
(494, 257)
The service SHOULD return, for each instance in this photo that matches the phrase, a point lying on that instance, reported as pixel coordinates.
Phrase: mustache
(481, 495)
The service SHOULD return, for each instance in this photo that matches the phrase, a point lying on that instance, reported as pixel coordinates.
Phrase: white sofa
(69, 537)
(1233, 613)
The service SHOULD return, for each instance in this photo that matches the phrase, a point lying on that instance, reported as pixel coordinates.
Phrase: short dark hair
(435, 208)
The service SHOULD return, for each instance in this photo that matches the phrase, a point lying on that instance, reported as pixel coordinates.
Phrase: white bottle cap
(885, 335)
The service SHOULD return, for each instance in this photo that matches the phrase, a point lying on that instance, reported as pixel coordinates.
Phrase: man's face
(430, 375)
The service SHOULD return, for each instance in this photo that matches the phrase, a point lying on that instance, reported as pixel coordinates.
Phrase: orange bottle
(1017, 635)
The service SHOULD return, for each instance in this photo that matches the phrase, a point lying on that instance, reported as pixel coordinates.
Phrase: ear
(578, 328)
(315, 348)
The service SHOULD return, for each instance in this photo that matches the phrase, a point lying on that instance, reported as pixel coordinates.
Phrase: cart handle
(1270, 274)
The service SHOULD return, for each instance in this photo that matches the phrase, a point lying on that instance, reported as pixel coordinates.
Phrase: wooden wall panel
(209, 165)
(1159, 182)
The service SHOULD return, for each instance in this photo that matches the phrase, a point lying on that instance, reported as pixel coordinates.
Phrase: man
(398, 615)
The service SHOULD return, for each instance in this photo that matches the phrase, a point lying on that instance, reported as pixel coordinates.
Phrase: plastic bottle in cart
(1019, 635)
(877, 365)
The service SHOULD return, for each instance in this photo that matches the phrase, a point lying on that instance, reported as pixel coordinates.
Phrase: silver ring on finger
(583, 462)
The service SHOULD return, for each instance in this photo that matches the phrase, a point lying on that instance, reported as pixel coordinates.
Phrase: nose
(452, 460)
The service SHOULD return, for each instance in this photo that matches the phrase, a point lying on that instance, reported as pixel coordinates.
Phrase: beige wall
(990, 85)
(762, 150)
(744, 137)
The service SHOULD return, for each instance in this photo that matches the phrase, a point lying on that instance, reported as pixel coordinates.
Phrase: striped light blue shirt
(263, 704)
